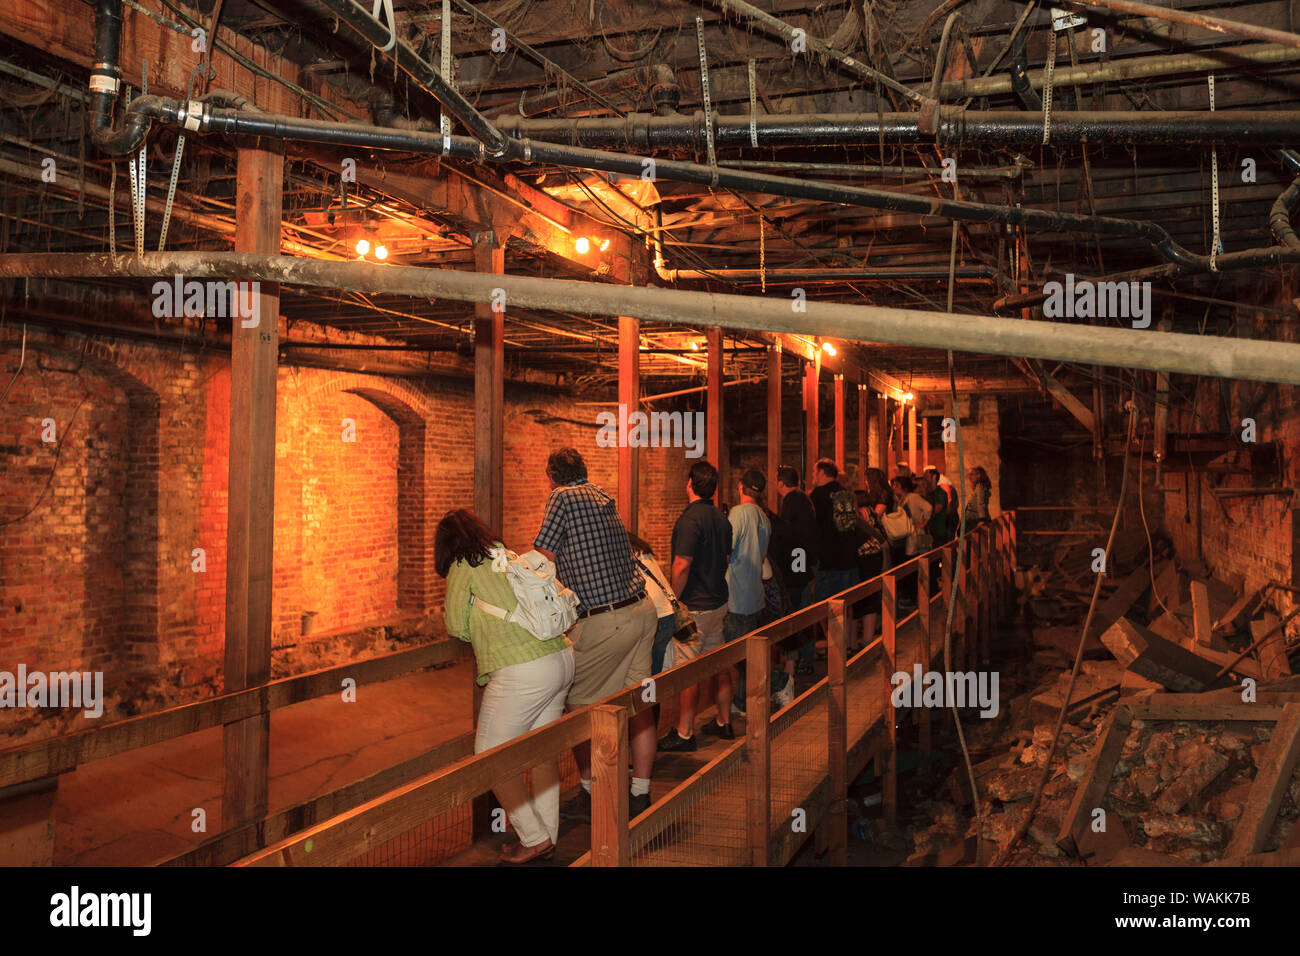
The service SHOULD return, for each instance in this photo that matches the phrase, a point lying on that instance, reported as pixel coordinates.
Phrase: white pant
(517, 699)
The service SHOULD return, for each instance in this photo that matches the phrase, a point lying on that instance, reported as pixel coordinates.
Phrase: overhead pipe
(1217, 356)
(659, 81)
(1192, 18)
(881, 274)
(948, 125)
(242, 122)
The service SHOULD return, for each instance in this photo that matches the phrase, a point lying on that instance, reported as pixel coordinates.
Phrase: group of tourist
(634, 620)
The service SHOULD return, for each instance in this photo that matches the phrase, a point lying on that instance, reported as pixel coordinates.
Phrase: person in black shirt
(795, 549)
(701, 553)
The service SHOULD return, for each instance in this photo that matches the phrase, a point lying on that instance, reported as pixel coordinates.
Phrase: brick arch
(414, 541)
(119, 572)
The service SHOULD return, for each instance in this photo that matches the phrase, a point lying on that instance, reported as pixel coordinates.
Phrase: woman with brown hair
(527, 679)
(977, 505)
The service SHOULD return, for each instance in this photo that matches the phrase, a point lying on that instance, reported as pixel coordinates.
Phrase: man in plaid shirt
(613, 638)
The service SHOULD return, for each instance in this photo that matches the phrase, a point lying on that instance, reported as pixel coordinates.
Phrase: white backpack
(544, 607)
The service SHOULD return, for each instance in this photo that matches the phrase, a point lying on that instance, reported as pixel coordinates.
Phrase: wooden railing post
(609, 786)
(888, 666)
(986, 573)
(758, 747)
(837, 734)
(923, 607)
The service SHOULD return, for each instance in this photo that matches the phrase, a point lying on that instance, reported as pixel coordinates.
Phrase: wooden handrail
(44, 758)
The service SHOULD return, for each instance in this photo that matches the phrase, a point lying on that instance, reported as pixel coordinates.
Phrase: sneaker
(804, 670)
(676, 743)
(579, 808)
(738, 706)
(785, 696)
(637, 804)
(715, 729)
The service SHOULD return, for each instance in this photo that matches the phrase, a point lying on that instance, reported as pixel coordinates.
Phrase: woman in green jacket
(526, 679)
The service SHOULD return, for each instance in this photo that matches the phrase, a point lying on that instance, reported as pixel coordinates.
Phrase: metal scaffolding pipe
(1133, 68)
(1192, 18)
(1218, 356)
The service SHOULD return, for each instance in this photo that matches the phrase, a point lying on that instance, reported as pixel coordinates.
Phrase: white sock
(586, 785)
(640, 786)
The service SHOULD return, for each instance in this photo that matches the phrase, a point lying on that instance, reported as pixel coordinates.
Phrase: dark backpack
(844, 511)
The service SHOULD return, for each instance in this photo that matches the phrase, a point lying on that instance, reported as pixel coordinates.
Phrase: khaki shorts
(612, 651)
(710, 624)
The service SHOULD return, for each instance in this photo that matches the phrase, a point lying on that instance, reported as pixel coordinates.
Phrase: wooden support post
(896, 445)
(609, 786)
(773, 423)
(489, 390)
(489, 441)
(839, 422)
(1269, 788)
(758, 748)
(713, 427)
(864, 456)
(837, 733)
(882, 436)
(629, 396)
(945, 584)
(912, 458)
(888, 667)
(923, 609)
(812, 423)
(250, 550)
(925, 442)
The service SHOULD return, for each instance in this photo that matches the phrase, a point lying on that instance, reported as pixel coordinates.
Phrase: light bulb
(363, 246)
(381, 252)
(828, 348)
(582, 245)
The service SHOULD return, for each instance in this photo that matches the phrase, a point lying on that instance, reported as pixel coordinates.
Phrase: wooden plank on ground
(1168, 707)
(1155, 658)
(1271, 782)
(1201, 626)
(1234, 617)
(1117, 605)
(1096, 779)
(1273, 660)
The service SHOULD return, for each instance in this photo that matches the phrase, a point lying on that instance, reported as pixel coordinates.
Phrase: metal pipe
(1218, 356)
(1192, 18)
(425, 76)
(949, 126)
(771, 25)
(941, 57)
(883, 274)
(236, 122)
(1133, 68)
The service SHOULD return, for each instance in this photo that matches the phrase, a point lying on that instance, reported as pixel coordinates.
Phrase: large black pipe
(203, 118)
(106, 79)
(949, 126)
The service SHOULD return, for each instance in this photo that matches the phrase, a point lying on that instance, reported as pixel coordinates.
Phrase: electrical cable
(58, 451)
(22, 358)
(1151, 555)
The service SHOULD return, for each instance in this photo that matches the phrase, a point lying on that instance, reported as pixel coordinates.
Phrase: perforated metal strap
(753, 107)
(1047, 85)
(708, 106)
(386, 6)
(1216, 244)
(444, 67)
(171, 192)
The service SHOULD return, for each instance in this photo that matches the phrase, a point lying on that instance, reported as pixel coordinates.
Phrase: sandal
(517, 853)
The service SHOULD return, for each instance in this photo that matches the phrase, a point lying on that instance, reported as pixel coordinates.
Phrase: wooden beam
(250, 549)
(758, 748)
(489, 391)
(1096, 780)
(896, 441)
(839, 422)
(629, 396)
(773, 423)
(1201, 627)
(609, 787)
(882, 434)
(812, 425)
(864, 452)
(714, 423)
(1064, 396)
(1271, 782)
(1148, 654)
(912, 459)
(66, 29)
(925, 442)
(837, 732)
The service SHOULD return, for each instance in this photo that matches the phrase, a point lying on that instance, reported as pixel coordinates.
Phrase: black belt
(591, 611)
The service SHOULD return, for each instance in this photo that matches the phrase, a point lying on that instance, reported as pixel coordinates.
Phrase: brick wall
(981, 444)
(1252, 536)
(121, 565)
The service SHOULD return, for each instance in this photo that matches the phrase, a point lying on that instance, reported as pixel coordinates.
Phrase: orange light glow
(828, 348)
(363, 246)
(381, 252)
(582, 245)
